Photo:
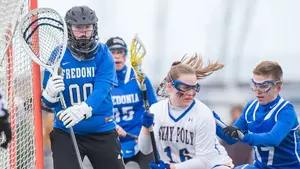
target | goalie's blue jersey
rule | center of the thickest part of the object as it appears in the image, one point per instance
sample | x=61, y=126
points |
x=272, y=131
x=129, y=107
x=89, y=81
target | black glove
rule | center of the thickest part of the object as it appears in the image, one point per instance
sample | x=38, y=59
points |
x=233, y=132
x=5, y=127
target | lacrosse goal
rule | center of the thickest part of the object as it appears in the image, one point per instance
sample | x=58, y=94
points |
x=20, y=84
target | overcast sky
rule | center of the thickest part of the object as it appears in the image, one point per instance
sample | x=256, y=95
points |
x=170, y=28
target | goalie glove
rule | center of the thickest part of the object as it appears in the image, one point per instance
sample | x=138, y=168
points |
x=74, y=114
x=55, y=85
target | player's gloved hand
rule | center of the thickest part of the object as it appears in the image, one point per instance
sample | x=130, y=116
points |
x=5, y=128
x=55, y=85
x=74, y=114
x=147, y=119
x=233, y=132
x=161, y=165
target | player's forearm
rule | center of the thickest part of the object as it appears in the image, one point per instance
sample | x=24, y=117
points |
x=262, y=139
x=100, y=92
x=195, y=163
x=286, y=121
x=144, y=141
x=272, y=138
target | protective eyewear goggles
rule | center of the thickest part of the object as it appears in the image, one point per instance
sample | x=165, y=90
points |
x=183, y=87
x=264, y=86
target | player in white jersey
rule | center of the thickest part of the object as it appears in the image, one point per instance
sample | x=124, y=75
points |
x=184, y=127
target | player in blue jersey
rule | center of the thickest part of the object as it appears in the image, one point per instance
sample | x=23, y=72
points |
x=128, y=104
x=89, y=75
x=269, y=122
x=4, y=124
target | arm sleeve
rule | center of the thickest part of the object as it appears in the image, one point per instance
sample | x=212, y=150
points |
x=204, y=146
x=144, y=143
x=105, y=79
x=150, y=92
x=286, y=121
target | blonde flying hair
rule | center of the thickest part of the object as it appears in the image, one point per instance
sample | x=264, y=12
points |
x=192, y=65
x=187, y=65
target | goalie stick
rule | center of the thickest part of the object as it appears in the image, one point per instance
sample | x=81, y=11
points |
x=44, y=36
x=137, y=53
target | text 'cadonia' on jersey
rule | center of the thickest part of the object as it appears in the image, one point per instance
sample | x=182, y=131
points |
x=180, y=134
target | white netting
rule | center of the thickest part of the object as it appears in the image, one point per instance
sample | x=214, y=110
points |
x=49, y=26
x=16, y=83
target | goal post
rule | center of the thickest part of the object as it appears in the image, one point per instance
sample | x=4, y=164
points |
x=20, y=82
x=37, y=107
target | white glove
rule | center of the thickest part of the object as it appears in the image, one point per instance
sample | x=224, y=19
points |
x=55, y=85
x=75, y=114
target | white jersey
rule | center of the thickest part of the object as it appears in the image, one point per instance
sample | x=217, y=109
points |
x=183, y=134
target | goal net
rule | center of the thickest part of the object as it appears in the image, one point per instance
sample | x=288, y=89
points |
x=16, y=82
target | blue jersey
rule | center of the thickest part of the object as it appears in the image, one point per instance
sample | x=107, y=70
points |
x=272, y=130
x=89, y=81
x=129, y=107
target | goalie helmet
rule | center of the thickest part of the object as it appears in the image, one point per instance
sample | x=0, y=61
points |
x=82, y=48
x=116, y=43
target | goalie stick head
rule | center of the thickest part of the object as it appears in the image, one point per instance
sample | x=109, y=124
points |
x=44, y=37
x=83, y=48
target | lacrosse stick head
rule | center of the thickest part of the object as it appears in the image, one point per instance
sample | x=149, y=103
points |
x=137, y=53
x=43, y=35
x=162, y=89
